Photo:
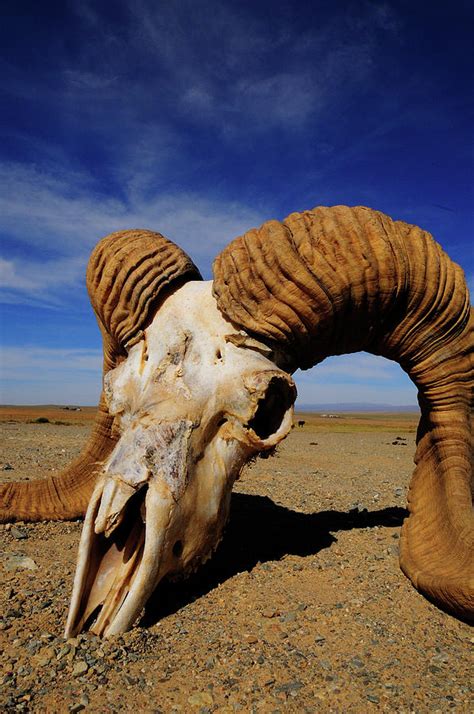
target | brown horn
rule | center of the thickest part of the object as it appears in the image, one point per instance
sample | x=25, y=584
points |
x=129, y=274
x=338, y=280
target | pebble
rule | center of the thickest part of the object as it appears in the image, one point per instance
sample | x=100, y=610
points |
x=14, y=562
x=222, y=647
x=372, y=698
x=290, y=687
x=289, y=617
x=18, y=533
x=201, y=699
x=80, y=705
x=80, y=667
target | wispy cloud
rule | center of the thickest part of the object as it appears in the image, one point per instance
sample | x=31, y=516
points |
x=358, y=366
x=221, y=65
x=36, y=374
x=64, y=216
x=38, y=279
x=15, y=360
x=359, y=377
x=202, y=119
x=239, y=70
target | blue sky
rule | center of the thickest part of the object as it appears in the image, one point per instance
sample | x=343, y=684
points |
x=202, y=119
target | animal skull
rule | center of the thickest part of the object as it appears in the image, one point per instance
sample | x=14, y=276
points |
x=193, y=401
x=197, y=396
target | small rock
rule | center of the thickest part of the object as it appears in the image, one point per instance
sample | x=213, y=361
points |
x=7, y=467
x=44, y=658
x=290, y=687
x=63, y=651
x=79, y=668
x=201, y=699
x=18, y=533
x=251, y=639
x=319, y=639
x=372, y=698
x=47, y=635
x=15, y=562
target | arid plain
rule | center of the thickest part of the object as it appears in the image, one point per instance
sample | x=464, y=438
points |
x=302, y=609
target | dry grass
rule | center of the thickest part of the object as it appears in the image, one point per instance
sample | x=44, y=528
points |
x=358, y=422
x=343, y=423
x=54, y=414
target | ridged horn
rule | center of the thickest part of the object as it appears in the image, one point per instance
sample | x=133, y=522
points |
x=128, y=275
x=337, y=280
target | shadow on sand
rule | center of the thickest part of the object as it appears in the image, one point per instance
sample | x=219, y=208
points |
x=259, y=530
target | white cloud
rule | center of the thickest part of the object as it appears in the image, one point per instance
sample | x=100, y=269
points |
x=359, y=377
x=39, y=375
x=328, y=393
x=63, y=216
x=226, y=66
x=53, y=210
x=47, y=361
x=355, y=367
x=40, y=278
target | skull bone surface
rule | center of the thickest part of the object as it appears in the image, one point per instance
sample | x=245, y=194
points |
x=194, y=401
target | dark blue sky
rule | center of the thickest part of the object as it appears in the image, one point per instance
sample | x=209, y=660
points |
x=201, y=120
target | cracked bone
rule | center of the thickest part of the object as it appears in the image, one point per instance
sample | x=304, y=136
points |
x=194, y=400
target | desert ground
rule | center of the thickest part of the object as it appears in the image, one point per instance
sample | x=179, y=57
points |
x=303, y=608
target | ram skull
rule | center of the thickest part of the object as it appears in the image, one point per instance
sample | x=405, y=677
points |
x=193, y=387
x=193, y=401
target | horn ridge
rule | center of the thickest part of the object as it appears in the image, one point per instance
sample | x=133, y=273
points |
x=388, y=288
x=128, y=274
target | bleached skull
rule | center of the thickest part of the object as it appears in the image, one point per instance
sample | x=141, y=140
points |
x=193, y=401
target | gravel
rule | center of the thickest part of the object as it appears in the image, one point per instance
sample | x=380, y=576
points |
x=302, y=609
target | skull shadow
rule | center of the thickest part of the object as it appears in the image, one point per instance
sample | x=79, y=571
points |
x=258, y=531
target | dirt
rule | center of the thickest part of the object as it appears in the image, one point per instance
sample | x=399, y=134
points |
x=302, y=609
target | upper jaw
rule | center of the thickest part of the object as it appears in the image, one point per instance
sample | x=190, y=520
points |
x=117, y=572
x=157, y=490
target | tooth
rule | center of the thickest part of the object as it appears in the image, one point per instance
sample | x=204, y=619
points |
x=112, y=506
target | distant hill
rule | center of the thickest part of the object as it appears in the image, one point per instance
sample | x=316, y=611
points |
x=356, y=407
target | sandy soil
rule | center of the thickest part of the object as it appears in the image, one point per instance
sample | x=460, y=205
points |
x=302, y=609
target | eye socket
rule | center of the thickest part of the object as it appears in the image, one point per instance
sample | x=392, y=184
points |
x=271, y=408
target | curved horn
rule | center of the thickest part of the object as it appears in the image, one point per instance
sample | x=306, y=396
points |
x=338, y=280
x=129, y=273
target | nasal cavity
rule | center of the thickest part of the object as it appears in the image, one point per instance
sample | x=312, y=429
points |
x=178, y=548
x=272, y=407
